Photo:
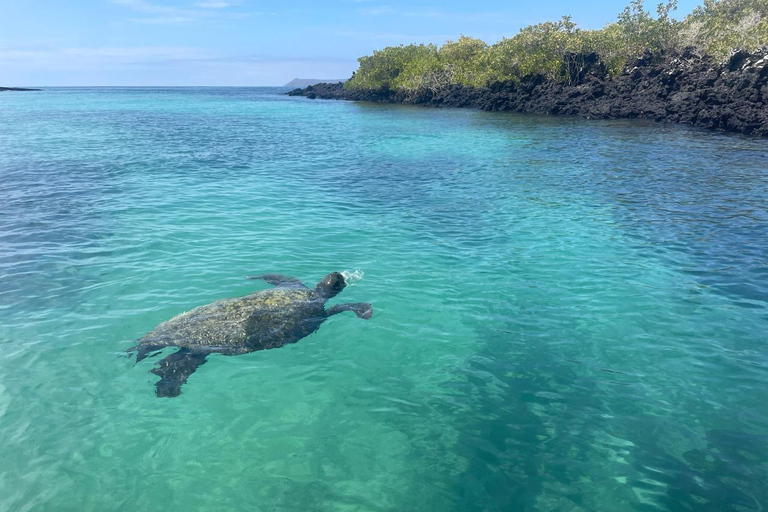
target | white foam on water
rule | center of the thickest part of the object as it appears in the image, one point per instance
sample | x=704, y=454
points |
x=352, y=276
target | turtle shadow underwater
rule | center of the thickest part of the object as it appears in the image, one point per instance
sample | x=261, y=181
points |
x=259, y=321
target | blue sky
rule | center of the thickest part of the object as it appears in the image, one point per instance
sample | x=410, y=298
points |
x=244, y=42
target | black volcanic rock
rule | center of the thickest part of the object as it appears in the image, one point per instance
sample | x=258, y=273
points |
x=680, y=88
x=7, y=89
x=304, y=82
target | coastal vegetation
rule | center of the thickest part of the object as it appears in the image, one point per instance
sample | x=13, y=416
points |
x=559, y=50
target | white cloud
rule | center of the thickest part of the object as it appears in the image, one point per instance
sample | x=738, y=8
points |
x=213, y=5
x=395, y=37
x=156, y=65
x=164, y=20
x=447, y=15
x=100, y=56
x=143, y=6
x=377, y=11
x=206, y=10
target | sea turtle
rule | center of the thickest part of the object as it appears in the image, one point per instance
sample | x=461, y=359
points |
x=259, y=321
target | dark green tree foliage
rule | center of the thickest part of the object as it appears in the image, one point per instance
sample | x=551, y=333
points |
x=535, y=49
x=555, y=49
x=384, y=67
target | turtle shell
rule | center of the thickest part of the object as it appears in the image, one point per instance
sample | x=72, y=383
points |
x=261, y=320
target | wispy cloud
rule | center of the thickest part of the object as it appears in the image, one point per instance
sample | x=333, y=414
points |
x=377, y=11
x=214, y=5
x=449, y=15
x=143, y=6
x=157, y=65
x=164, y=20
x=163, y=14
x=106, y=54
x=397, y=37
x=141, y=55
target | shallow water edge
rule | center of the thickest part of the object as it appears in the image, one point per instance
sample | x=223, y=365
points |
x=687, y=89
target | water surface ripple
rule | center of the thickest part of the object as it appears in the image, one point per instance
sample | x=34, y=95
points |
x=569, y=315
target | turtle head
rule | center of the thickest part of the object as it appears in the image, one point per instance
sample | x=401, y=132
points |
x=331, y=285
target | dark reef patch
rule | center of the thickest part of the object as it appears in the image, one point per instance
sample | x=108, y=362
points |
x=681, y=88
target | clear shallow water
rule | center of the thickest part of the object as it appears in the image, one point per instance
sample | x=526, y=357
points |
x=569, y=315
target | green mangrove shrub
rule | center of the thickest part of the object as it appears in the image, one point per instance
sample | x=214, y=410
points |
x=559, y=49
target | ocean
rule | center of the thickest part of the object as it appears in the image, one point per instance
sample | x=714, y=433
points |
x=569, y=315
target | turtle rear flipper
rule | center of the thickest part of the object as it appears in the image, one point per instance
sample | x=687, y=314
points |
x=144, y=351
x=175, y=369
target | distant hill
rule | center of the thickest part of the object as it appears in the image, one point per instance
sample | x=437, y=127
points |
x=303, y=82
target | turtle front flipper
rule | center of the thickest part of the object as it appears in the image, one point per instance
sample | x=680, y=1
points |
x=175, y=369
x=361, y=309
x=279, y=280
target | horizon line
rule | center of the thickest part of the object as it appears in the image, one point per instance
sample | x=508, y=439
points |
x=130, y=86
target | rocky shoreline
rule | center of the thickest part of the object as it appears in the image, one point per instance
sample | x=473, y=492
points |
x=7, y=89
x=683, y=88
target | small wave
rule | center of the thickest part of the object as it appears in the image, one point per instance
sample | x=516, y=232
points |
x=352, y=276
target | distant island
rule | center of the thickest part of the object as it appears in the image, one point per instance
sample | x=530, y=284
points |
x=709, y=69
x=4, y=89
x=305, y=82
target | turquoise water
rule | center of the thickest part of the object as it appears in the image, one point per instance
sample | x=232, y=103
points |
x=568, y=314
